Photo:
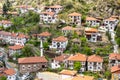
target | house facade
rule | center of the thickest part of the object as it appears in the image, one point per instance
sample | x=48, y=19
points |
x=77, y=58
x=59, y=43
x=67, y=30
x=110, y=24
x=56, y=62
x=14, y=38
x=92, y=35
x=75, y=18
x=115, y=70
x=48, y=17
x=15, y=49
x=114, y=59
x=95, y=63
x=92, y=21
x=5, y=23
x=32, y=64
x=54, y=8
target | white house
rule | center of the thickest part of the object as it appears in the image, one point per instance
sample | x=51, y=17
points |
x=67, y=74
x=15, y=49
x=92, y=35
x=67, y=30
x=110, y=24
x=114, y=59
x=48, y=17
x=54, y=8
x=59, y=43
x=5, y=23
x=10, y=73
x=77, y=58
x=14, y=38
x=75, y=18
x=24, y=8
x=56, y=62
x=95, y=63
x=91, y=21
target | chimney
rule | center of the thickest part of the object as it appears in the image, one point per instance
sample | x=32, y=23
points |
x=41, y=48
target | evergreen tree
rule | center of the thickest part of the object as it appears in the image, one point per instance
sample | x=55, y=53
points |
x=5, y=9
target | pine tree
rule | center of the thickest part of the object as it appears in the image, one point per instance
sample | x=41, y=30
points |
x=5, y=9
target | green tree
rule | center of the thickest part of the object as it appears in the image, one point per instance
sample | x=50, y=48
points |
x=3, y=78
x=83, y=41
x=77, y=65
x=107, y=74
x=5, y=9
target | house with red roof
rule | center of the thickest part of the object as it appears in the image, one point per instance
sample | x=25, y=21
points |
x=115, y=70
x=14, y=38
x=58, y=60
x=77, y=58
x=110, y=24
x=114, y=59
x=48, y=17
x=44, y=36
x=91, y=21
x=32, y=64
x=9, y=73
x=15, y=49
x=92, y=35
x=75, y=18
x=5, y=23
x=95, y=63
x=67, y=30
x=59, y=43
x=54, y=8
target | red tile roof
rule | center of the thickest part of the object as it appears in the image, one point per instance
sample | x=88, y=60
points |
x=115, y=69
x=74, y=14
x=110, y=19
x=68, y=72
x=48, y=13
x=44, y=34
x=61, y=57
x=83, y=77
x=9, y=72
x=114, y=56
x=95, y=58
x=60, y=39
x=91, y=30
x=28, y=60
x=78, y=57
x=16, y=47
x=91, y=19
x=67, y=28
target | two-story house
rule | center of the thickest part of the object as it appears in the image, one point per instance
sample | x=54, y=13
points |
x=110, y=24
x=114, y=59
x=59, y=43
x=5, y=23
x=115, y=70
x=14, y=38
x=95, y=63
x=54, y=8
x=57, y=61
x=77, y=58
x=32, y=64
x=15, y=49
x=91, y=21
x=75, y=18
x=48, y=17
x=92, y=35
x=67, y=30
